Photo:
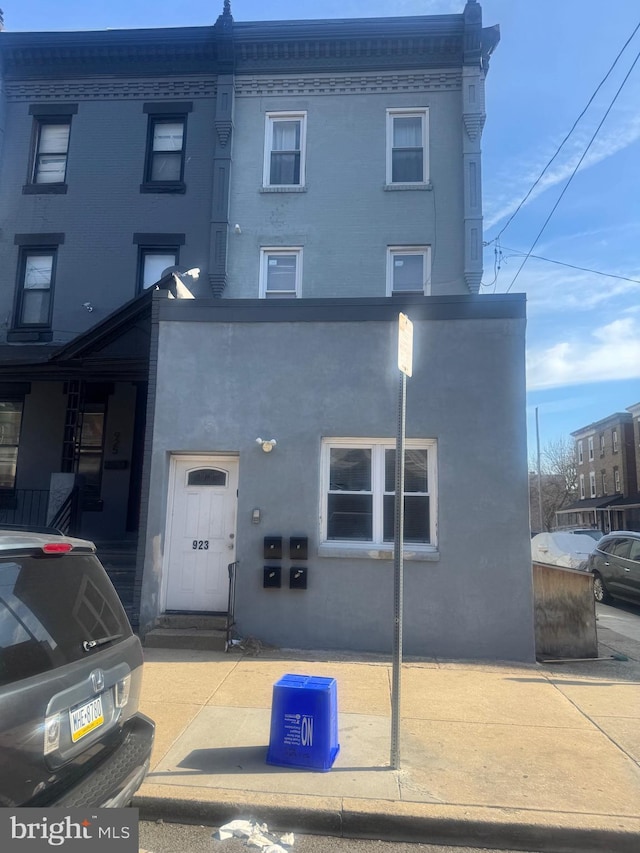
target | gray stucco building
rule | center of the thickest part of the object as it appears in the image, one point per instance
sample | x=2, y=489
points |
x=323, y=176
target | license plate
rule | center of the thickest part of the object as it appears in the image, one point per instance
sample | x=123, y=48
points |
x=85, y=718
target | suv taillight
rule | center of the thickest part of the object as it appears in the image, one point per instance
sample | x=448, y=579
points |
x=122, y=691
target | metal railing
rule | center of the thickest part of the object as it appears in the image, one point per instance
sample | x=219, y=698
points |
x=24, y=507
x=231, y=604
x=67, y=518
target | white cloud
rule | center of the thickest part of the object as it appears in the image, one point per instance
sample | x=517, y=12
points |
x=612, y=353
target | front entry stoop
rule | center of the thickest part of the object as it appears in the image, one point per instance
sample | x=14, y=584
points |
x=188, y=631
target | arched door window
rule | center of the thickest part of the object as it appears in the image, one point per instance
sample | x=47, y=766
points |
x=207, y=477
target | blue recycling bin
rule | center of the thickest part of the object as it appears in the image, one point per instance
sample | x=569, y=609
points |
x=304, y=722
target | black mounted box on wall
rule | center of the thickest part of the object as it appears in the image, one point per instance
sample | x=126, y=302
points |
x=298, y=547
x=298, y=577
x=272, y=577
x=273, y=547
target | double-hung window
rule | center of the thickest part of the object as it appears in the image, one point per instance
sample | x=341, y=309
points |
x=166, y=145
x=280, y=273
x=50, y=147
x=284, y=150
x=153, y=262
x=358, y=492
x=36, y=277
x=407, y=146
x=614, y=440
x=592, y=483
x=580, y=453
x=590, y=446
x=582, y=493
x=616, y=480
x=156, y=252
x=408, y=270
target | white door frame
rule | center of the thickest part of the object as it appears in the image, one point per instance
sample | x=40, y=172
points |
x=199, y=459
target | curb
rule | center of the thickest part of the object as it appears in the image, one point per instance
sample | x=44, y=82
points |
x=546, y=832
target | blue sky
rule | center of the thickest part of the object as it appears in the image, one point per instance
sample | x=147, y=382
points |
x=583, y=333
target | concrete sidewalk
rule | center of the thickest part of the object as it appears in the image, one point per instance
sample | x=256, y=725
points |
x=541, y=757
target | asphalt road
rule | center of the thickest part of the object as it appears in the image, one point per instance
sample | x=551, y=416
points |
x=158, y=837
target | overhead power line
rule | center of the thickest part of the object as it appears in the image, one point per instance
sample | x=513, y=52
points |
x=573, y=266
x=562, y=144
x=573, y=173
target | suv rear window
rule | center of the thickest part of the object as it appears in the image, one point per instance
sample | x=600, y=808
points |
x=50, y=608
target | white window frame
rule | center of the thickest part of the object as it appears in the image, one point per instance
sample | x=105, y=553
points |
x=272, y=118
x=394, y=252
x=582, y=492
x=408, y=112
x=604, y=482
x=616, y=480
x=270, y=251
x=378, y=447
x=580, y=453
x=614, y=440
x=590, y=445
x=592, y=483
x=602, y=444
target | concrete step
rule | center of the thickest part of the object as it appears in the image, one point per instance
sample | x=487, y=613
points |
x=186, y=638
x=201, y=621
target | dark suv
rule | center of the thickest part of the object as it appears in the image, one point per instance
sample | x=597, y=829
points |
x=615, y=565
x=70, y=677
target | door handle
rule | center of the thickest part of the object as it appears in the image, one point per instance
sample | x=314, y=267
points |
x=627, y=570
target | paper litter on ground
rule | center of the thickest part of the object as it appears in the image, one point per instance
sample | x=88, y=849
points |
x=255, y=835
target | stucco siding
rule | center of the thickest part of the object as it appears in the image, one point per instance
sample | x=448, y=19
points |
x=221, y=385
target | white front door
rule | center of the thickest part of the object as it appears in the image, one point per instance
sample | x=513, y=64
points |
x=201, y=530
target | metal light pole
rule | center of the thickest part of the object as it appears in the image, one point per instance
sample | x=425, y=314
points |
x=539, y=474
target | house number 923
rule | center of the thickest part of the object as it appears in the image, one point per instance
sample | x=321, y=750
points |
x=200, y=545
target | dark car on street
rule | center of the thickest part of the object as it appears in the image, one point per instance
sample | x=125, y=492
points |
x=71, y=734
x=615, y=565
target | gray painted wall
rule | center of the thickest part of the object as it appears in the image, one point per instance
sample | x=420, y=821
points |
x=345, y=220
x=42, y=432
x=103, y=206
x=220, y=385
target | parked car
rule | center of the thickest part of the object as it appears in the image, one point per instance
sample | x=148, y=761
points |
x=584, y=531
x=615, y=565
x=71, y=734
x=560, y=548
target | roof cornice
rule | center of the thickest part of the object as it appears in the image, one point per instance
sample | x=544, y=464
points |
x=254, y=47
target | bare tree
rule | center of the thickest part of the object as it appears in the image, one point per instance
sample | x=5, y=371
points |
x=558, y=482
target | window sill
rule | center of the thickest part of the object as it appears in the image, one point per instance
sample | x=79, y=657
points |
x=389, y=188
x=44, y=189
x=361, y=551
x=29, y=335
x=160, y=187
x=287, y=189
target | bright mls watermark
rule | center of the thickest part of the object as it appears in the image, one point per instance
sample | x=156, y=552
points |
x=35, y=830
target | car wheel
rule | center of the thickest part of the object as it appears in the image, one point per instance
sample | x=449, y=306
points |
x=599, y=589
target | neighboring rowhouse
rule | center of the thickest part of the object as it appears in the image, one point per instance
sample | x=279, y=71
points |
x=608, y=471
x=324, y=176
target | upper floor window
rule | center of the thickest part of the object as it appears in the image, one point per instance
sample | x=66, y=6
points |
x=580, y=453
x=156, y=252
x=284, y=150
x=614, y=439
x=582, y=493
x=601, y=444
x=604, y=482
x=616, y=480
x=280, y=273
x=36, y=277
x=590, y=444
x=166, y=144
x=408, y=270
x=153, y=262
x=592, y=483
x=50, y=148
x=407, y=146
